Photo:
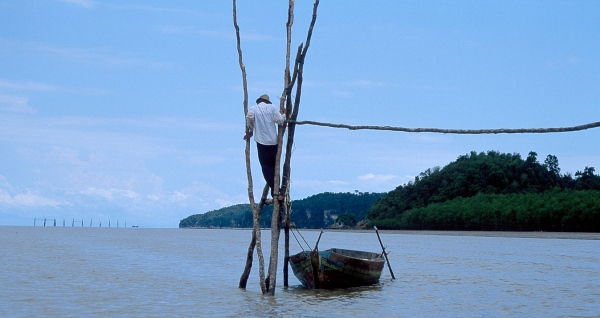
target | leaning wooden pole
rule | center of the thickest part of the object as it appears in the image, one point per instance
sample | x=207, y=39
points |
x=458, y=131
x=276, y=221
x=384, y=253
x=250, y=255
x=284, y=98
x=277, y=209
x=295, y=106
x=255, y=212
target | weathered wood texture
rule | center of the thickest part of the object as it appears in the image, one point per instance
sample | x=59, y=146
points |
x=269, y=286
x=255, y=234
x=256, y=239
x=337, y=268
x=297, y=79
x=456, y=131
x=282, y=103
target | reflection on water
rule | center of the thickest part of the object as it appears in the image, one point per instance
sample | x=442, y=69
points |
x=321, y=294
x=62, y=272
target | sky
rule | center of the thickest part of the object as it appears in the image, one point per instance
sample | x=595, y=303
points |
x=132, y=111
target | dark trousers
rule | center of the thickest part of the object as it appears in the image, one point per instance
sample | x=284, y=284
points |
x=266, y=156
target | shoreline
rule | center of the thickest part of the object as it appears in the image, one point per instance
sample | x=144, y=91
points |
x=507, y=234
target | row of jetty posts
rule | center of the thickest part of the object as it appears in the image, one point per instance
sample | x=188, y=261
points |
x=73, y=223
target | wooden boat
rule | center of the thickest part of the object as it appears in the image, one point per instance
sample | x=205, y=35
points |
x=337, y=268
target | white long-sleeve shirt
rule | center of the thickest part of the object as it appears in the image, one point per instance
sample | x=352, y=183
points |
x=263, y=119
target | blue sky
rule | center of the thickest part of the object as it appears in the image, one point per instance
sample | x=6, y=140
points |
x=131, y=111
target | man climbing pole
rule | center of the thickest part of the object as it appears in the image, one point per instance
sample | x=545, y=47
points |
x=261, y=121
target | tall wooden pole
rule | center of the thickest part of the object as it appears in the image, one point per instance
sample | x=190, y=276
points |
x=284, y=98
x=255, y=212
x=298, y=70
x=269, y=287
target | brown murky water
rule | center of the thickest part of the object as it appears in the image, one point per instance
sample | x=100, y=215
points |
x=118, y=272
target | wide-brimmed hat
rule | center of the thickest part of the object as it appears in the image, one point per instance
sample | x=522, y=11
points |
x=263, y=97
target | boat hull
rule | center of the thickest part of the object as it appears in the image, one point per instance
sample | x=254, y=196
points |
x=337, y=268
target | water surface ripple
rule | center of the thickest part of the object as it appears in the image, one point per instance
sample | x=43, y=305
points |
x=135, y=272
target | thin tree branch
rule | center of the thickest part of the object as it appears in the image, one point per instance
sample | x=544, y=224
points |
x=454, y=131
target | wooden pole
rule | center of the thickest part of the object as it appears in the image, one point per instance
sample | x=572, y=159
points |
x=277, y=217
x=457, y=131
x=256, y=234
x=250, y=254
x=275, y=228
x=284, y=100
x=318, y=240
x=278, y=207
x=384, y=253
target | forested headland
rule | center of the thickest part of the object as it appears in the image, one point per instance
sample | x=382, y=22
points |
x=488, y=191
x=494, y=192
x=314, y=212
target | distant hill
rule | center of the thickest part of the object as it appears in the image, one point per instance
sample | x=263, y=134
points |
x=317, y=211
x=479, y=191
x=494, y=191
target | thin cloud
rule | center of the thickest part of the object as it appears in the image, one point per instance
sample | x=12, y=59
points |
x=374, y=177
x=110, y=194
x=152, y=123
x=193, y=31
x=27, y=86
x=256, y=37
x=177, y=196
x=350, y=84
x=15, y=104
x=23, y=198
x=44, y=87
x=104, y=57
x=91, y=4
x=349, y=88
x=338, y=182
x=27, y=199
x=430, y=138
x=566, y=61
x=573, y=60
x=81, y=3
x=204, y=160
x=366, y=83
x=156, y=9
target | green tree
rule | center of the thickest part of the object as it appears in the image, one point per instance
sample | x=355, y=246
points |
x=551, y=164
x=347, y=219
x=459, y=187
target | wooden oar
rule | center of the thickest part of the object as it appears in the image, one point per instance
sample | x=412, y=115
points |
x=384, y=253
